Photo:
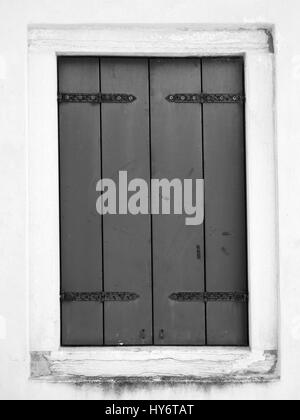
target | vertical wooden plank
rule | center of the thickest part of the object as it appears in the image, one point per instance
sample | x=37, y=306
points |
x=127, y=238
x=225, y=202
x=176, y=153
x=81, y=267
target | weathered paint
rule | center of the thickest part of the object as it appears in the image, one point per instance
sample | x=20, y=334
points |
x=237, y=370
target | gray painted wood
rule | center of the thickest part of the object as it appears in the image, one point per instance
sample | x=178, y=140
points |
x=81, y=267
x=225, y=202
x=127, y=238
x=175, y=147
x=176, y=138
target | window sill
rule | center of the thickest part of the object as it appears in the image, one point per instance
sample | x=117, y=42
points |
x=138, y=366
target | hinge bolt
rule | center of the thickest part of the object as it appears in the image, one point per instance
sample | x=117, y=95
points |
x=162, y=334
x=198, y=252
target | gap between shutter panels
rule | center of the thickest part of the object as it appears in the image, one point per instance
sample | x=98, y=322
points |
x=150, y=203
x=102, y=224
x=204, y=223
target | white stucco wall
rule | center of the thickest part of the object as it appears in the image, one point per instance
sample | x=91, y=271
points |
x=15, y=16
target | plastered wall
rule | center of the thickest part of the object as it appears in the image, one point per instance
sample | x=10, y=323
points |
x=15, y=16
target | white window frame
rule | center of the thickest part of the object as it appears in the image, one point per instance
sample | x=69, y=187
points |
x=49, y=361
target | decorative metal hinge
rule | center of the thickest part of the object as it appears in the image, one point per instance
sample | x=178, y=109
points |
x=96, y=98
x=98, y=297
x=205, y=98
x=209, y=297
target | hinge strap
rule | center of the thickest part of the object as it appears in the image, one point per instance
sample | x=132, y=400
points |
x=205, y=98
x=98, y=297
x=209, y=297
x=96, y=98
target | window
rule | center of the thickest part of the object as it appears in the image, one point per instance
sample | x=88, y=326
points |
x=151, y=364
x=150, y=279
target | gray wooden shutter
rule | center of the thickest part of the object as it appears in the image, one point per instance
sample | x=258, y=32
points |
x=206, y=266
x=153, y=257
x=225, y=202
x=127, y=238
x=80, y=169
x=176, y=138
x=110, y=254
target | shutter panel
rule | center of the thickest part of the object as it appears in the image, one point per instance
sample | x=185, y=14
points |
x=225, y=202
x=80, y=168
x=176, y=138
x=127, y=238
